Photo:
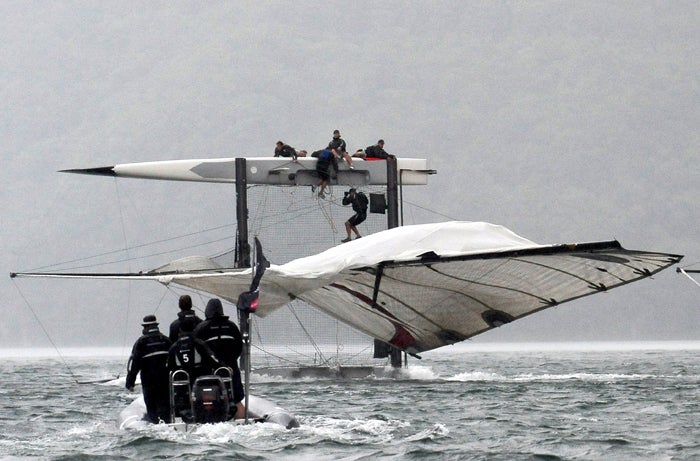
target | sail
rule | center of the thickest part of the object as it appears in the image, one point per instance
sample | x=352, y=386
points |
x=425, y=286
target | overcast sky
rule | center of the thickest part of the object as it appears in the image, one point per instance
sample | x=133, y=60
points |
x=563, y=121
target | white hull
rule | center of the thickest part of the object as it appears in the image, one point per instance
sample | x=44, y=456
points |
x=266, y=170
x=259, y=409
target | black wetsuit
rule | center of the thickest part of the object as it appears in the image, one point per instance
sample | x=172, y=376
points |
x=337, y=144
x=323, y=164
x=359, y=206
x=150, y=357
x=376, y=152
x=286, y=151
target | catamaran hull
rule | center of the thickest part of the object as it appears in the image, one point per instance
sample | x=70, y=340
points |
x=259, y=409
x=265, y=170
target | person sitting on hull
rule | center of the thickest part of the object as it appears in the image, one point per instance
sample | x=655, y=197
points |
x=339, y=148
x=224, y=338
x=185, y=304
x=149, y=356
x=359, y=203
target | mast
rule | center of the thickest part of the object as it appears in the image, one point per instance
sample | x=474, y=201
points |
x=242, y=245
x=392, y=196
x=243, y=260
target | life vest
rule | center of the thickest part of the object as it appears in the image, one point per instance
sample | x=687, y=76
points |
x=187, y=356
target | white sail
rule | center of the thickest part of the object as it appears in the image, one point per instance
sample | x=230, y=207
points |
x=425, y=286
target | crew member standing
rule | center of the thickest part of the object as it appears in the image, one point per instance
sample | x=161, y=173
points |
x=150, y=357
x=186, y=311
x=224, y=338
x=190, y=354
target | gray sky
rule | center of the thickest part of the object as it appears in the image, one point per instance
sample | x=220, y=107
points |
x=564, y=121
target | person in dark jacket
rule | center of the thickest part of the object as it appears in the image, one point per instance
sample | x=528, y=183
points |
x=224, y=338
x=149, y=356
x=340, y=150
x=185, y=304
x=285, y=150
x=190, y=354
x=323, y=169
x=359, y=203
x=377, y=151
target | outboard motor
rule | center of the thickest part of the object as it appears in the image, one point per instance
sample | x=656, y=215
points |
x=210, y=400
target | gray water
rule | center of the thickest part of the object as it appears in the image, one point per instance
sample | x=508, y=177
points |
x=464, y=402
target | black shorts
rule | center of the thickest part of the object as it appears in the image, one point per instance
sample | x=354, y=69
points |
x=357, y=218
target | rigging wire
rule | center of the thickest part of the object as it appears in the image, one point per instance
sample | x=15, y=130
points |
x=147, y=244
x=306, y=332
x=126, y=249
x=688, y=275
x=160, y=253
x=41, y=325
x=431, y=211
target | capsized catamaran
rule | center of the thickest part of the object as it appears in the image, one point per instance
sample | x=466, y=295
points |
x=416, y=287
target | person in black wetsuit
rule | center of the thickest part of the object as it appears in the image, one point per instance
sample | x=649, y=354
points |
x=285, y=150
x=359, y=203
x=340, y=150
x=329, y=157
x=377, y=151
x=224, y=338
x=149, y=356
x=185, y=303
x=323, y=169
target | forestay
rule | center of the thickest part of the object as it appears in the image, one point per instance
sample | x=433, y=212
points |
x=425, y=286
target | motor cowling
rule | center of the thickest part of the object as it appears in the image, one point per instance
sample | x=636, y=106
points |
x=210, y=400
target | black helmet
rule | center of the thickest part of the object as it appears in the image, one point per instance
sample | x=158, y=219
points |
x=149, y=320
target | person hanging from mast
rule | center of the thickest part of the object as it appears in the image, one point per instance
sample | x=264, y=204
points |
x=359, y=203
